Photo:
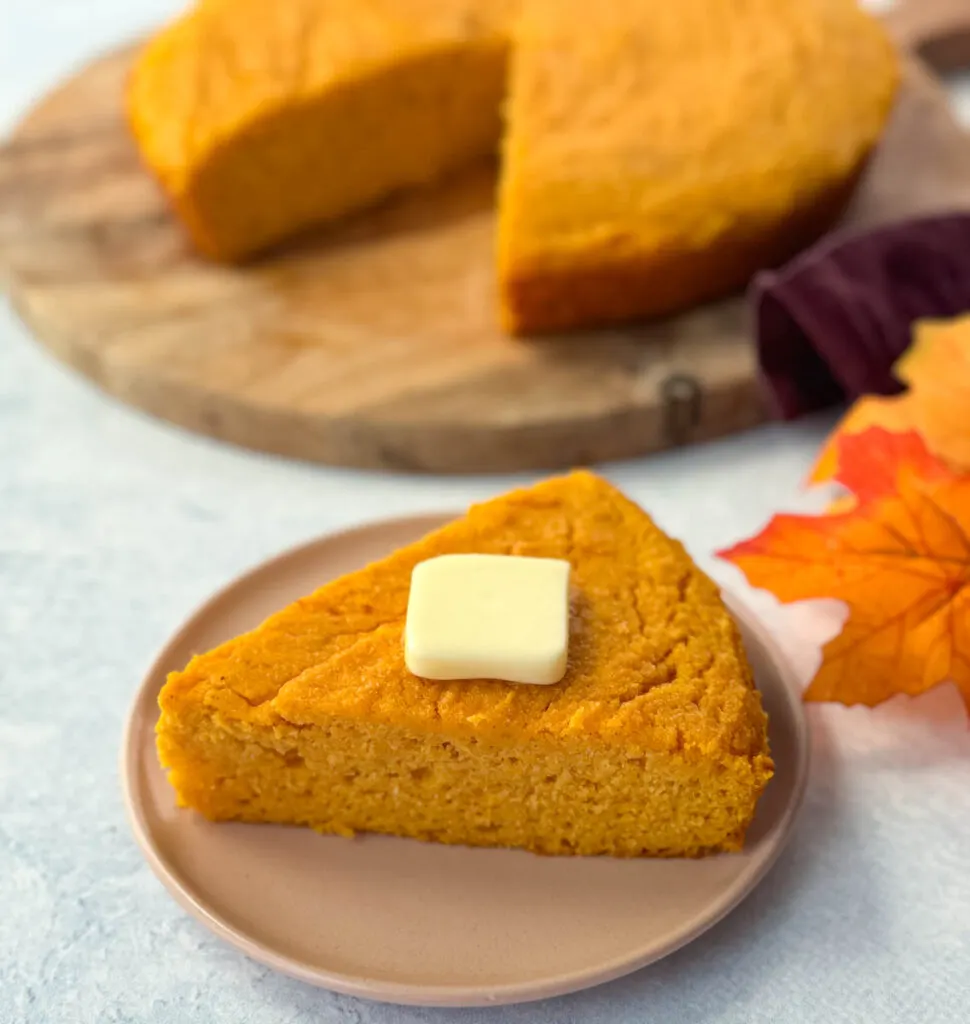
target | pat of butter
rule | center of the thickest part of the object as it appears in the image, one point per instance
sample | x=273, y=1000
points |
x=488, y=617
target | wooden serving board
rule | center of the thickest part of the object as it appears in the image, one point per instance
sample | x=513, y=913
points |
x=374, y=344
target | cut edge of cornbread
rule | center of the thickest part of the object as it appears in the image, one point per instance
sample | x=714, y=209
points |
x=655, y=742
x=347, y=777
x=300, y=154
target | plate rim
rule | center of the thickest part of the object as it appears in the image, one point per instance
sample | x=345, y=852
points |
x=425, y=995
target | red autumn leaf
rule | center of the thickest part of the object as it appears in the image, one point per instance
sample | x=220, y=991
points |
x=895, y=413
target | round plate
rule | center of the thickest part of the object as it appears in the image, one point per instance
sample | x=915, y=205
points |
x=409, y=922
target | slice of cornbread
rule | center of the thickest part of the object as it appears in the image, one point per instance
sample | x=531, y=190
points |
x=653, y=743
x=658, y=154
x=263, y=117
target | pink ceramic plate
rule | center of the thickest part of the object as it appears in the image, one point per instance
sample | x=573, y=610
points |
x=409, y=922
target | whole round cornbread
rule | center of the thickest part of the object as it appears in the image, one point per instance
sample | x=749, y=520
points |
x=654, y=155
x=653, y=743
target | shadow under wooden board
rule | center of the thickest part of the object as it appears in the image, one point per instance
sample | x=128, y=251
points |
x=374, y=344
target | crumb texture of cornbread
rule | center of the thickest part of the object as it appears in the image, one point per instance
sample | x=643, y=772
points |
x=262, y=118
x=654, y=743
x=658, y=154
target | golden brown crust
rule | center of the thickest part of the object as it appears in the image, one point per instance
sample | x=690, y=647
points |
x=643, y=286
x=650, y=635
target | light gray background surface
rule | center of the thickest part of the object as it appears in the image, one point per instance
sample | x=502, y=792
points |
x=113, y=527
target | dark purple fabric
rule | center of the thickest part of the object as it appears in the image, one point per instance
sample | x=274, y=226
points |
x=831, y=323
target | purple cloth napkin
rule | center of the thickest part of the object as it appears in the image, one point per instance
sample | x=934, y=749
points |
x=831, y=323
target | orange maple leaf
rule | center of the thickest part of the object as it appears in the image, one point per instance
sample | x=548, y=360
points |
x=937, y=370
x=900, y=559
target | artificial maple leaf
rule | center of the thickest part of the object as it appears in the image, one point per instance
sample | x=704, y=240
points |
x=895, y=413
x=937, y=369
x=900, y=559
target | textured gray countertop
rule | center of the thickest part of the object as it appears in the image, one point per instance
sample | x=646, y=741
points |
x=113, y=527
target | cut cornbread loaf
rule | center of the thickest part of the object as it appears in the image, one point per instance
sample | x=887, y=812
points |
x=656, y=155
x=654, y=742
x=263, y=117
x=659, y=154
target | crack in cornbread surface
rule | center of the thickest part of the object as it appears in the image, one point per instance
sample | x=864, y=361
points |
x=654, y=741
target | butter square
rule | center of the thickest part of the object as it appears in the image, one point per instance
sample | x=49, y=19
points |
x=488, y=617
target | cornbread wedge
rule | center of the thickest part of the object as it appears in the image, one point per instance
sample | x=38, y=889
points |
x=654, y=743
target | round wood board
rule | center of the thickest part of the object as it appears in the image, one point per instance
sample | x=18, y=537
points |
x=375, y=343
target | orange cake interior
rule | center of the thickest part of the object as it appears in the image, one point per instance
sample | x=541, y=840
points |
x=263, y=117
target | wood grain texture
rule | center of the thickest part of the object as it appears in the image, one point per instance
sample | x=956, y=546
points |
x=375, y=344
